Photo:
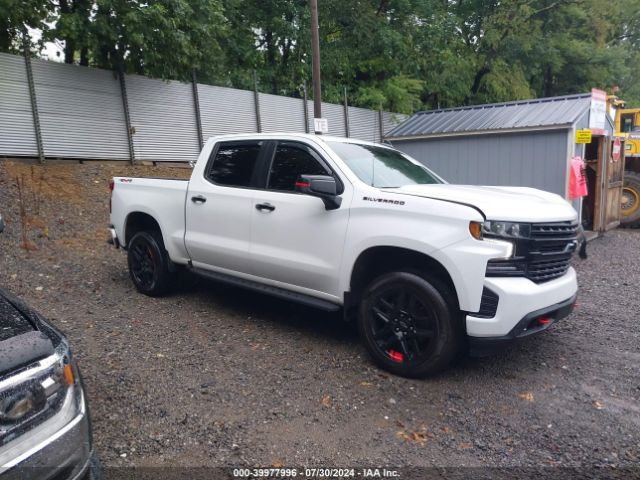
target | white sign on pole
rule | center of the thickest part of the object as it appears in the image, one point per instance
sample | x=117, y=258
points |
x=598, y=110
x=320, y=125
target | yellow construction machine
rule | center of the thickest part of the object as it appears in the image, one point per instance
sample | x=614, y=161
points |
x=627, y=121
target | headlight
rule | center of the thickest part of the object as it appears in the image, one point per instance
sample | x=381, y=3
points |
x=506, y=229
x=477, y=231
x=33, y=396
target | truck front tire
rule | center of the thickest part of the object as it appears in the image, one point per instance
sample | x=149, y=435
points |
x=148, y=264
x=630, y=201
x=410, y=324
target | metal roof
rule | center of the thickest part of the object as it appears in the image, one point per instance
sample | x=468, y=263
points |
x=541, y=113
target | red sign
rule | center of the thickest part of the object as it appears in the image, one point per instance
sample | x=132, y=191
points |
x=617, y=146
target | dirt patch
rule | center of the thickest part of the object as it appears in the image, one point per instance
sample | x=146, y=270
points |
x=47, y=181
x=61, y=201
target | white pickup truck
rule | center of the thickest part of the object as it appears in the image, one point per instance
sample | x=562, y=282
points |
x=423, y=266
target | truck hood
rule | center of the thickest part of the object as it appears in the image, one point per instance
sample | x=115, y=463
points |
x=521, y=204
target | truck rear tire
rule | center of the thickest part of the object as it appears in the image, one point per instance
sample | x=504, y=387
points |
x=148, y=264
x=630, y=201
x=410, y=325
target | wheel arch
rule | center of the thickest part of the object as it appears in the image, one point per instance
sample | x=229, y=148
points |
x=139, y=221
x=375, y=261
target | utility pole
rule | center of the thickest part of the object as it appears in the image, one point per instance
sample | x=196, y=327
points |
x=315, y=58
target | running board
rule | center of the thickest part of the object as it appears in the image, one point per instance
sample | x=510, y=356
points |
x=302, y=298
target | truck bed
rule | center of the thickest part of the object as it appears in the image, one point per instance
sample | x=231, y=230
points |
x=161, y=198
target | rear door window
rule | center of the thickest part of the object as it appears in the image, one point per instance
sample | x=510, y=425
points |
x=234, y=164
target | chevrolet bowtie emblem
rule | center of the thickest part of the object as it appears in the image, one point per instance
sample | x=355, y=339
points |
x=570, y=247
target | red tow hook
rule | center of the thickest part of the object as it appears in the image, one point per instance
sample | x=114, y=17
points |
x=542, y=321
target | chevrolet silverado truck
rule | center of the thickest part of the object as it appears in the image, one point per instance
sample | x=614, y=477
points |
x=424, y=267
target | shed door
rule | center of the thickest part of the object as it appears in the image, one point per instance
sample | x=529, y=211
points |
x=593, y=204
x=613, y=188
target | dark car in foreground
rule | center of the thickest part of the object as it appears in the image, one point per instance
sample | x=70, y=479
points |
x=45, y=431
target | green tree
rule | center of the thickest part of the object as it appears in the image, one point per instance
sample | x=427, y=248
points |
x=626, y=38
x=268, y=38
x=571, y=53
x=18, y=15
x=73, y=27
x=400, y=55
x=164, y=38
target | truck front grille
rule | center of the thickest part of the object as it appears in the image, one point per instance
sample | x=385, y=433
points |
x=544, y=270
x=544, y=256
x=554, y=230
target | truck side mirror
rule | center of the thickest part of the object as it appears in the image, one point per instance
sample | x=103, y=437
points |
x=321, y=186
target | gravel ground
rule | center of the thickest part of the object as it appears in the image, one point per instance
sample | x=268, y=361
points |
x=213, y=375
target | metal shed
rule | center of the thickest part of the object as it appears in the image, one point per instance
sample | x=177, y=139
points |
x=526, y=143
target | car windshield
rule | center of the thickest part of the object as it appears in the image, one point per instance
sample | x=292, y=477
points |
x=383, y=167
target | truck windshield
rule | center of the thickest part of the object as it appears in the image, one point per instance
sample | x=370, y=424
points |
x=383, y=167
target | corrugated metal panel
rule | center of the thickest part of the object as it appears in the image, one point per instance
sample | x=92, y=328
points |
x=164, y=118
x=281, y=114
x=80, y=109
x=310, y=115
x=334, y=114
x=17, y=134
x=226, y=110
x=583, y=122
x=544, y=112
x=391, y=121
x=81, y=114
x=363, y=124
x=528, y=159
x=335, y=118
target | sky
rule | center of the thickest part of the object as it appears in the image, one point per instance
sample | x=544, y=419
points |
x=52, y=50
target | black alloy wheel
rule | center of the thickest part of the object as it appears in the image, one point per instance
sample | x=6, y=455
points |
x=410, y=325
x=143, y=266
x=402, y=326
x=148, y=264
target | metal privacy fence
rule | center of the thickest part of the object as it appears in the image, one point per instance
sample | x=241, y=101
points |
x=54, y=110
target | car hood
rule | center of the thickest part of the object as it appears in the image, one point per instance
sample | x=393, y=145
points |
x=24, y=336
x=520, y=204
x=13, y=322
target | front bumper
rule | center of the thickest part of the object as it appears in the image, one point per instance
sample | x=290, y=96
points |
x=58, y=449
x=529, y=325
x=518, y=299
